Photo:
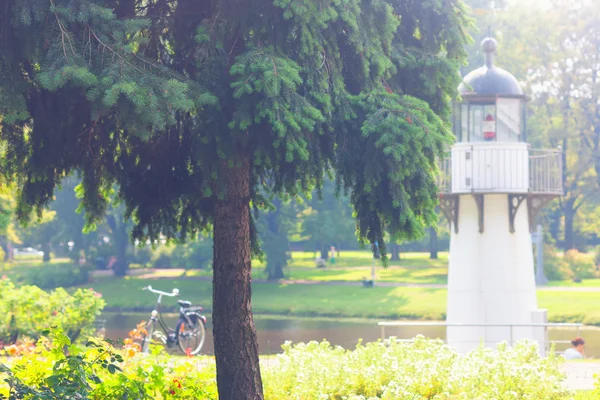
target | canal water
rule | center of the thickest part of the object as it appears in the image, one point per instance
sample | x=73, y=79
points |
x=274, y=331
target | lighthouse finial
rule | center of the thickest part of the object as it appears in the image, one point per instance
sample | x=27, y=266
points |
x=489, y=45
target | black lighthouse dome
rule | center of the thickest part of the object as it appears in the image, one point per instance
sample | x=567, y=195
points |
x=489, y=79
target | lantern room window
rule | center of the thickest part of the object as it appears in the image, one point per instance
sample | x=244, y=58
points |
x=482, y=120
x=498, y=120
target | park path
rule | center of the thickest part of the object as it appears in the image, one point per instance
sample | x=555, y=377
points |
x=413, y=285
x=178, y=274
x=580, y=375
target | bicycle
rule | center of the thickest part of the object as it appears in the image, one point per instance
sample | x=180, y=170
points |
x=190, y=325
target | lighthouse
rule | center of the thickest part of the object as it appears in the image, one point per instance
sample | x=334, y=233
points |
x=491, y=189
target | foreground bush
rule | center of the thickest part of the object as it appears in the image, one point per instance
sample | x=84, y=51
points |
x=27, y=311
x=56, y=369
x=425, y=369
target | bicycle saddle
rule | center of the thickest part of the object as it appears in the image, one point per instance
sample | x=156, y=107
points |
x=184, y=303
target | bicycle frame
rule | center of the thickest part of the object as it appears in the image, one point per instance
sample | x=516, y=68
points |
x=160, y=320
x=156, y=315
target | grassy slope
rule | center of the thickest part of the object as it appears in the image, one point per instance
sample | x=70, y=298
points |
x=336, y=300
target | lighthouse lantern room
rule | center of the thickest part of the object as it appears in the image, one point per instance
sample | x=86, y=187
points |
x=492, y=187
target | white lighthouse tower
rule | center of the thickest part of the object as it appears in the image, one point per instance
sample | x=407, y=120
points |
x=491, y=188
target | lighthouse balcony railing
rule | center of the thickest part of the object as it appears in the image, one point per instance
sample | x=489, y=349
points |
x=501, y=169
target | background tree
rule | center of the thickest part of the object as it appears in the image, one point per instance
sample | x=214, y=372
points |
x=70, y=219
x=191, y=108
x=119, y=229
x=274, y=228
x=433, y=243
x=327, y=221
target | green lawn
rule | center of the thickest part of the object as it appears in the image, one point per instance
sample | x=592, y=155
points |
x=309, y=300
x=571, y=306
x=336, y=300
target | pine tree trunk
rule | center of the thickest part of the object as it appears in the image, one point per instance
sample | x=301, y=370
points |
x=433, y=244
x=236, y=347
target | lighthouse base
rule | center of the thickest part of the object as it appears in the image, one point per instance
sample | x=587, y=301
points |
x=491, y=283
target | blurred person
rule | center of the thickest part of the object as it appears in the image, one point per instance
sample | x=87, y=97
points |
x=577, y=351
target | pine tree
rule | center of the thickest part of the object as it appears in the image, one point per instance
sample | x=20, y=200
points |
x=194, y=108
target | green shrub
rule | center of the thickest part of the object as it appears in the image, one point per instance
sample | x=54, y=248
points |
x=50, y=276
x=555, y=268
x=161, y=258
x=424, y=369
x=27, y=311
x=596, y=391
x=581, y=266
x=2, y=256
x=141, y=255
x=192, y=255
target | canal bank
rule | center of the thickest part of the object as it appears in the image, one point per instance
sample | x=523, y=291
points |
x=274, y=331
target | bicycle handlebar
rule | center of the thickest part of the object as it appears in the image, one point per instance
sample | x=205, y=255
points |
x=174, y=293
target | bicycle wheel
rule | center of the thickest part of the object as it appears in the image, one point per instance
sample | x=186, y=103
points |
x=191, y=337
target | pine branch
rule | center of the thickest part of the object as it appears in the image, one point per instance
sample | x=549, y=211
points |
x=119, y=56
x=63, y=33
